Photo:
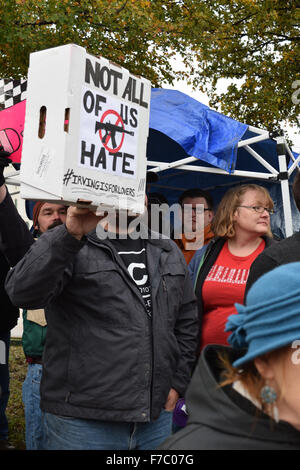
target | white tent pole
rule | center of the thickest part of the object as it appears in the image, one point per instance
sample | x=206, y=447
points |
x=253, y=140
x=293, y=166
x=13, y=178
x=218, y=171
x=12, y=181
x=15, y=173
x=285, y=190
x=175, y=164
x=261, y=160
x=257, y=130
x=289, y=151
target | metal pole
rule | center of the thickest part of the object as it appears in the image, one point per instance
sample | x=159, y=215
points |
x=256, y=130
x=260, y=159
x=205, y=169
x=293, y=166
x=253, y=140
x=285, y=190
x=12, y=181
x=177, y=163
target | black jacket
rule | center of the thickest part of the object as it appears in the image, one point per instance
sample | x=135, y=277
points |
x=15, y=236
x=104, y=358
x=282, y=252
x=15, y=239
x=222, y=419
x=9, y=314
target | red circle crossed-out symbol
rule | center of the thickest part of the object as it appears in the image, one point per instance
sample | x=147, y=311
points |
x=108, y=133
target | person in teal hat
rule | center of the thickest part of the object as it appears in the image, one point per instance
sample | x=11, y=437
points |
x=246, y=396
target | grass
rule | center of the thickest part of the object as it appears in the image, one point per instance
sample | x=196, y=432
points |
x=15, y=409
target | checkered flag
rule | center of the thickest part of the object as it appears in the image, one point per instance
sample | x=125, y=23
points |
x=12, y=92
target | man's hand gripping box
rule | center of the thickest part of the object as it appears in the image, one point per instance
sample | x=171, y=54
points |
x=85, y=133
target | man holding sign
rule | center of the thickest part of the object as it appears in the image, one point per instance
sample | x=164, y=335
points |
x=122, y=329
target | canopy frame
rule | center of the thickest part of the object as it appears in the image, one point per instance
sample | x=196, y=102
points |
x=271, y=173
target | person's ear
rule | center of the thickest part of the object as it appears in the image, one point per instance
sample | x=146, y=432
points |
x=264, y=368
x=234, y=215
x=210, y=216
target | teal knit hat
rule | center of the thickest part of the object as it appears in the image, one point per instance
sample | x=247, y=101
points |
x=271, y=317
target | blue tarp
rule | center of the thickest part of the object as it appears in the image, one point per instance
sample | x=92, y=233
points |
x=180, y=127
x=199, y=130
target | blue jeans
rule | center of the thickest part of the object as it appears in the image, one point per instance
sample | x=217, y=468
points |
x=4, y=383
x=62, y=433
x=31, y=400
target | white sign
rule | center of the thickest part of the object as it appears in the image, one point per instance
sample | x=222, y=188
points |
x=86, y=130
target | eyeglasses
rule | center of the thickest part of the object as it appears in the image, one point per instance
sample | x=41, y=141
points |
x=195, y=209
x=259, y=209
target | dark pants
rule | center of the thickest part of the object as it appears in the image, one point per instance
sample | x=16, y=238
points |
x=4, y=382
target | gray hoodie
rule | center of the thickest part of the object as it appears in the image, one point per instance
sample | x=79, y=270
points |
x=220, y=418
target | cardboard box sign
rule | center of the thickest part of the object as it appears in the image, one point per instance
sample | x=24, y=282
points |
x=86, y=129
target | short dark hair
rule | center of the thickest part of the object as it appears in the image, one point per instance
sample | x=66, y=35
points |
x=157, y=198
x=197, y=192
x=296, y=190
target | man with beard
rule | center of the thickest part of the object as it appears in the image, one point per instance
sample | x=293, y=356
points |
x=122, y=329
x=47, y=215
x=15, y=241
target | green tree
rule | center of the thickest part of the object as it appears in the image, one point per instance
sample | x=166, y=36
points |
x=252, y=43
x=255, y=45
x=138, y=34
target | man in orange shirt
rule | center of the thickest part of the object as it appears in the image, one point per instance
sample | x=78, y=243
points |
x=189, y=200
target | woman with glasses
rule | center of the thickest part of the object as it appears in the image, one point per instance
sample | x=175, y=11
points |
x=220, y=269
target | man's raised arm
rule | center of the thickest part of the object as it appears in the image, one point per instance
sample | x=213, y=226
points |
x=43, y=272
x=15, y=237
